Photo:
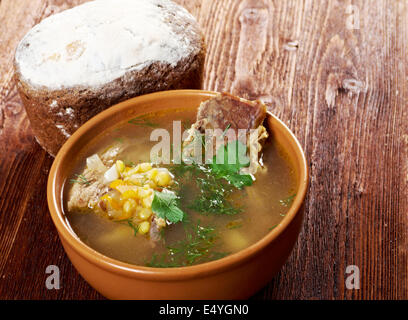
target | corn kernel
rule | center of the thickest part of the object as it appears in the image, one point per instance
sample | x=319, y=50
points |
x=145, y=192
x=163, y=178
x=116, y=205
x=111, y=203
x=128, y=208
x=131, y=171
x=144, y=167
x=147, y=202
x=115, y=183
x=128, y=194
x=145, y=213
x=144, y=227
x=136, y=179
x=151, y=174
x=120, y=166
x=106, y=197
x=151, y=184
x=115, y=214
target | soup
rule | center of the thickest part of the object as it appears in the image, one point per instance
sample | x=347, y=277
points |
x=205, y=215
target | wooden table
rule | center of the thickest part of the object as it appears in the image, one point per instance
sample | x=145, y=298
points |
x=336, y=72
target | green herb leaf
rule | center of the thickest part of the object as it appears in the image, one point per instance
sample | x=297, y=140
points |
x=120, y=140
x=273, y=227
x=130, y=223
x=81, y=179
x=288, y=201
x=213, y=195
x=210, y=179
x=165, y=205
x=143, y=120
x=129, y=163
x=233, y=157
x=235, y=224
x=226, y=130
x=133, y=226
x=212, y=191
x=197, y=247
x=239, y=180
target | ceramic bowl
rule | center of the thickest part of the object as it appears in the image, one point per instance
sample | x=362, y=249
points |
x=236, y=276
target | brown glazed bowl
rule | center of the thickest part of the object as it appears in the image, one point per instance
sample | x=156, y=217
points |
x=237, y=276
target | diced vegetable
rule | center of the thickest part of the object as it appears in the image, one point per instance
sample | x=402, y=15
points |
x=95, y=163
x=235, y=240
x=120, y=166
x=111, y=174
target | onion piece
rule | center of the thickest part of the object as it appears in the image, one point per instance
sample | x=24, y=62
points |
x=111, y=174
x=95, y=163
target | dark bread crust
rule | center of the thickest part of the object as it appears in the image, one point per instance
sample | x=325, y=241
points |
x=85, y=102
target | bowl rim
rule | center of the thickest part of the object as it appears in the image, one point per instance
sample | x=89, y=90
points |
x=159, y=274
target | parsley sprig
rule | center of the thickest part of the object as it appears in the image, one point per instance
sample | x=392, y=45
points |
x=232, y=157
x=215, y=182
x=165, y=205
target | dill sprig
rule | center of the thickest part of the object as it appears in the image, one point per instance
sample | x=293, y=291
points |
x=143, y=120
x=81, y=179
x=129, y=163
x=235, y=224
x=212, y=197
x=288, y=201
x=120, y=140
x=226, y=130
x=273, y=227
x=212, y=192
x=131, y=224
x=195, y=248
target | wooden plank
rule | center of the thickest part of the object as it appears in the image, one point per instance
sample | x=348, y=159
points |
x=342, y=91
x=28, y=241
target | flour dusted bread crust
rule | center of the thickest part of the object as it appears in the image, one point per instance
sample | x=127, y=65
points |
x=81, y=61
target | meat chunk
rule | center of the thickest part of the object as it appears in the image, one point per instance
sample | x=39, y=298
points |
x=110, y=155
x=230, y=118
x=226, y=110
x=157, y=225
x=86, y=190
x=90, y=184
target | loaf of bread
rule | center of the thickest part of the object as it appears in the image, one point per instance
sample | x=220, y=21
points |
x=81, y=61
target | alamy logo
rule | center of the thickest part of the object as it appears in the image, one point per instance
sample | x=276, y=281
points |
x=353, y=19
x=193, y=146
x=353, y=278
x=53, y=280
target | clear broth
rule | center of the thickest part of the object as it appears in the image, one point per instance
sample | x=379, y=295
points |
x=264, y=204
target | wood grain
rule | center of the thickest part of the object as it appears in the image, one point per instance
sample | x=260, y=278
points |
x=342, y=91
